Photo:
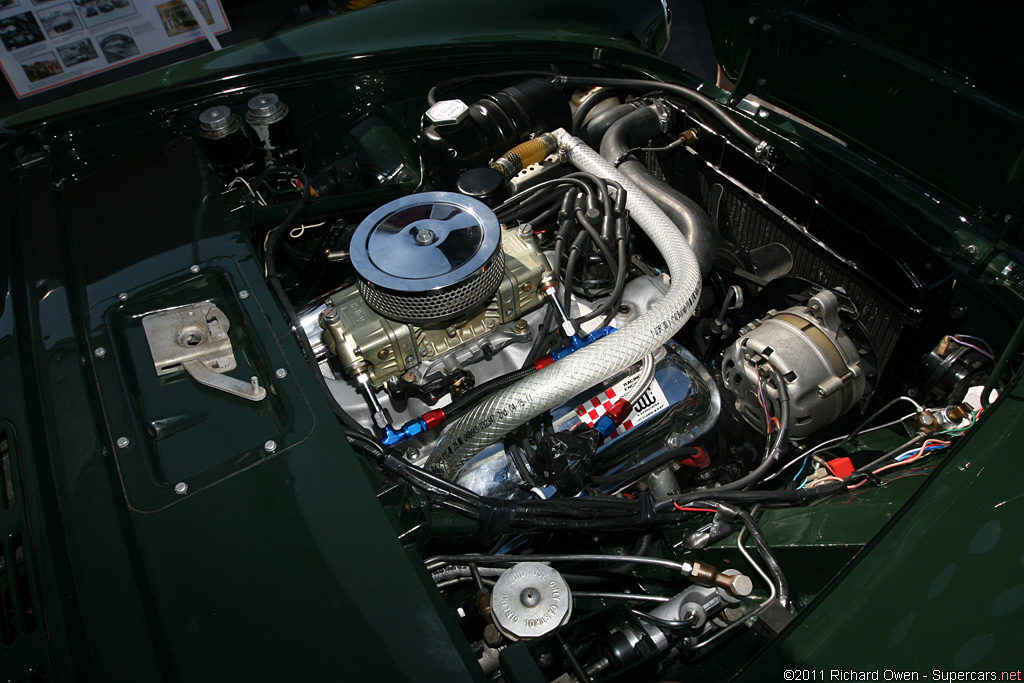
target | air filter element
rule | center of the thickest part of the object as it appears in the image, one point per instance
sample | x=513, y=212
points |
x=428, y=258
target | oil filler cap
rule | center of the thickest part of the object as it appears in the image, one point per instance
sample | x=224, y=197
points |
x=529, y=600
x=428, y=258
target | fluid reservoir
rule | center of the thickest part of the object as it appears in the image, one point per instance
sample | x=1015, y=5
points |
x=227, y=143
x=268, y=116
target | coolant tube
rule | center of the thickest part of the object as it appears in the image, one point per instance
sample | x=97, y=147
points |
x=634, y=130
x=502, y=412
x=522, y=155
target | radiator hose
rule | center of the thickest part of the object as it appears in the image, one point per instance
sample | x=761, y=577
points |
x=634, y=130
x=489, y=421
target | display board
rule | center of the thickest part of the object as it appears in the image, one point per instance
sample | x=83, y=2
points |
x=45, y=43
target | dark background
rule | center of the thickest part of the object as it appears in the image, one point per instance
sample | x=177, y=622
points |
x=690, y=46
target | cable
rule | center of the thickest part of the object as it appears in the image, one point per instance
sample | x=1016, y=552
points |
x=628, y=597
x=441, y=560
x=826, y=445
x=664, y=623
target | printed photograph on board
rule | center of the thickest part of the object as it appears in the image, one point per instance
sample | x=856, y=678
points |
x=60, y=19
x=77, y=52
x=20, y=30
x=177, y=18
x=96, y=12
x=117, y=46
x=41, y=66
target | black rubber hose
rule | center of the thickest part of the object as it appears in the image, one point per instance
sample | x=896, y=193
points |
x=598, y=125
x=588, y=105
x=477, y=394
x=353, y=429
x=633, y=130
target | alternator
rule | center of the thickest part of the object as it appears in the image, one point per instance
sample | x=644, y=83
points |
x=809, y=349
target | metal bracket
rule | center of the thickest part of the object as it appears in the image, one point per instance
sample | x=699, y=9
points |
x=194, y=338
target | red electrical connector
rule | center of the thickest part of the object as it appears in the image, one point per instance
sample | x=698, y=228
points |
x=841, y=467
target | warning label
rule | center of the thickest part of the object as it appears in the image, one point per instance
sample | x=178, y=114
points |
x=650, y=403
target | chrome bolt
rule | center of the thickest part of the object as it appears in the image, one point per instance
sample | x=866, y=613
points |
x=409, y=360
x=181, y=488
x=244, y=294
x=281, y=373
x=270, y=446
x=194, y=269
x=122, y=442
x=122, y=296
x=99, y=352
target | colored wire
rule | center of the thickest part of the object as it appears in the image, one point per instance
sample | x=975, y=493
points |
x=686, y=509
x=827, y=445
x=961, y=342
x=764, y=407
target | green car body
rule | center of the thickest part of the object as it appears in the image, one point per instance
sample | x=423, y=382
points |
x=282, y=558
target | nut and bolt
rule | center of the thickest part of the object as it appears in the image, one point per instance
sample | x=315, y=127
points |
x=409, y=360
x=194, y=269
x=527, y=286
x=280, y=373
x=452, y=332
x=426, y=350
x=181, y=488
x=492, y=636
x=270, y=446
x=122, y=442
x=244, y=294
x=99, y=352
x=526, y=230
x=522, y=326
x=425, y=237
x=330, y=314
x=122, y=296
x=383, y=353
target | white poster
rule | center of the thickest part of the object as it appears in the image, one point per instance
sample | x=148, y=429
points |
x=44, y=43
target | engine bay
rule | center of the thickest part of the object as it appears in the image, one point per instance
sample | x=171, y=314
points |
x=617, y=365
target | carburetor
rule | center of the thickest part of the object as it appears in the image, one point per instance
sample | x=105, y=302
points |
x=436, y=272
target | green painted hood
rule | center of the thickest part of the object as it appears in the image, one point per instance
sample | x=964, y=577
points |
x=921, y=87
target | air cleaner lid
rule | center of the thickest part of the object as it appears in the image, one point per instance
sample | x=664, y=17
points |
x=425, y=242
x=429, y=258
